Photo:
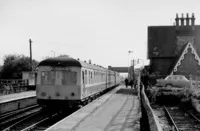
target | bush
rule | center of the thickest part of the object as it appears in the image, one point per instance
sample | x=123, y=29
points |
x=195, y=92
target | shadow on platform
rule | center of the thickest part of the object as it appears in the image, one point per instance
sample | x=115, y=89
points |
x=127, y=91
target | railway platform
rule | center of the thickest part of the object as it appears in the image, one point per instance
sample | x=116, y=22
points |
x=16, y=96
x=118, y=110
x=17, y=101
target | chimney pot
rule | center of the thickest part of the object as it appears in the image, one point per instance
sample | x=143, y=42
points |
x=177, y=20
x=182, y=20
x=193, y=19
x=187, y=20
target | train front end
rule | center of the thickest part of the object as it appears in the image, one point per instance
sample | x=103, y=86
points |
x=58, y=82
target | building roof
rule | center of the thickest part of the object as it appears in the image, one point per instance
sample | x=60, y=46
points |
x=185, y=51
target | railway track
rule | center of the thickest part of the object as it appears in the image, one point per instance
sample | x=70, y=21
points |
x=6, y=116
x=9, y=118
x=34, y=120
x=182, y=119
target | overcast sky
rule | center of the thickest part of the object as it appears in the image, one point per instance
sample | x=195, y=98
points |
x=101, y=30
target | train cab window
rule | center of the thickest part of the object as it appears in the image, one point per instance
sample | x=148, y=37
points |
x=86, y=77
x=48, y=77
x=69, y=78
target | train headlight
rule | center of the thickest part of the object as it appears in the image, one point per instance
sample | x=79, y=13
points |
x=57, y=94
x=72, y=94
x=43, y=94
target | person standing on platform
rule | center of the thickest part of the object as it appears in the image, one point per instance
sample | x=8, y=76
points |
x=131, y=83
x=126, y=82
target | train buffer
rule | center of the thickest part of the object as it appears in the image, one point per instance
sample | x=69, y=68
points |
x=117, y=111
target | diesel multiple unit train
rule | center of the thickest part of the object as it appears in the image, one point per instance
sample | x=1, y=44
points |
x=64, y=81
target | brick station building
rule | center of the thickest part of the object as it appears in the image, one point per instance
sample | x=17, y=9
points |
x=175, y=49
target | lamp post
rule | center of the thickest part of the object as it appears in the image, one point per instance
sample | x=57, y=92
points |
x=129, y=52
x=30, y=42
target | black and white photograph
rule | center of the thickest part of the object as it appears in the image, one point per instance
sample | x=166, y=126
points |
x=99, y=65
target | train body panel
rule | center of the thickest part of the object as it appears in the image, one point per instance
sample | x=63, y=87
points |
x=93, y=80
x=68, y=81
x=91, y=90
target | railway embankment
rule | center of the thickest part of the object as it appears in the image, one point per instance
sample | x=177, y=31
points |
x=149, y=121
x=189, y=96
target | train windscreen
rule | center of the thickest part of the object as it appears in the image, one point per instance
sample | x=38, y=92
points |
x=48, y=78
x=69, y=78
x=59, y=78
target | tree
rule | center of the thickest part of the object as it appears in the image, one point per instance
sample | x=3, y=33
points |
x=14, y=65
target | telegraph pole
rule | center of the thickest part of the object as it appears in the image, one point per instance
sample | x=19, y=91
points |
x=30, y=41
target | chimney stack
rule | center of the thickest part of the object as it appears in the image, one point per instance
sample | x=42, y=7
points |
x=182, y=20
x=177, y=20
x=187, y=20
x=193, y=19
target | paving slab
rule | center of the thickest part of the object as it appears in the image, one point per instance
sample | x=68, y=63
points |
x=16, y=96
x=117, y=112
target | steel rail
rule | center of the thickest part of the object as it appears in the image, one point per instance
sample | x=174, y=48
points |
x=170, y=117
x=10, y=127
x=191, y=114
x=39, y=122
x=20, y=116
x=16, y=112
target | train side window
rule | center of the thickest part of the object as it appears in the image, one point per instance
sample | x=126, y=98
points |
x=91, y=78
x=83, y=77
x=86, y=77
x=99, y=77
x=95, y=76
x=102, y=77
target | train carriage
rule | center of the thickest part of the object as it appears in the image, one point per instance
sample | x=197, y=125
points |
x=65, y=81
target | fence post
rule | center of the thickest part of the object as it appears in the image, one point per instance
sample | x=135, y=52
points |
x=190, y=77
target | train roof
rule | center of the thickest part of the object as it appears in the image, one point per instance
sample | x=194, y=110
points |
x=68, y=61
